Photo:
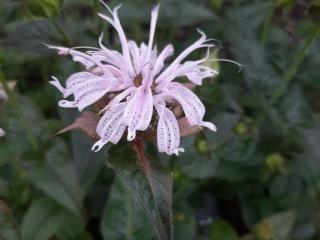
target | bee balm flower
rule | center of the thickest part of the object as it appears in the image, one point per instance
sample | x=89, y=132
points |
x=141, y=88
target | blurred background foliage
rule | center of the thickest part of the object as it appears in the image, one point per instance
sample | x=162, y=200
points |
x=258, y=177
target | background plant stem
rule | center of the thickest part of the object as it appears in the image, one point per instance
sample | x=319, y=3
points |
x=266, y=24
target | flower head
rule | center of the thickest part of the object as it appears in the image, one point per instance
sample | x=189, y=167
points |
x=142, y=92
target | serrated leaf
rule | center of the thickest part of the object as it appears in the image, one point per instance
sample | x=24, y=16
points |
x=121, y=211
x=149, y=183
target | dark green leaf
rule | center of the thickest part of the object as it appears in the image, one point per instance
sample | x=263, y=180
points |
x=222, y=230
x=121, y=210
x=45, y=219
x=150, y=184
x=57, y=177
x=43, y=8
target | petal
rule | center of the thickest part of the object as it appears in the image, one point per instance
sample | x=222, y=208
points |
x=198, y=44
x=85, y=97
x=110, y=127
x=138, y=113
x=166, y=52
x=76, y=79
x=191, y=105
x=154, y=17
x=55, y=82
x=191, y=100
x=197, y=74
x=135, y=53
x=168, y=134
x=87, y=60
x=120, y=97
x=115, y=22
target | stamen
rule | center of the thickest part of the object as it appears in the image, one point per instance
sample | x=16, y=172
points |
x=137, y=80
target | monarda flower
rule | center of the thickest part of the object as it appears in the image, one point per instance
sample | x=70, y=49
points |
x=143, y=93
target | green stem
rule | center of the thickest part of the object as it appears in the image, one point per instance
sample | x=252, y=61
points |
x=293, y=68
x=18, y=112
x=266, y=24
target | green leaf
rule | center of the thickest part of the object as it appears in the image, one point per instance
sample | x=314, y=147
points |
x=193, y=164
x=185, y=226
x=56, y=176
x=172, y=12
x=278, y=226
x=121, y=211
x=294, y=109
x=43, y=8
x=87, y=163
x=45, y=219
x=15, y=133
x=9, y=229
x=149, y=183
x=222, y=230
x=239, y=28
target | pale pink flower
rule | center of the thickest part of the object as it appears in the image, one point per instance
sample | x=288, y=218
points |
x=142, y=84
x=2, y=133
x=3, y=98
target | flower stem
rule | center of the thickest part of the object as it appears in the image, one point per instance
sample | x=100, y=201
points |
x=24, y=123
x=143, y=161
x=293, y=68
x=266, y=24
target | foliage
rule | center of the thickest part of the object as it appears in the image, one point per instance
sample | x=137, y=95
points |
x=256, y=178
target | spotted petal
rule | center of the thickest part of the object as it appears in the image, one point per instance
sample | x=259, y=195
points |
x=191, y=104
x=138, y=113
x=110, y=127
x=168, y=134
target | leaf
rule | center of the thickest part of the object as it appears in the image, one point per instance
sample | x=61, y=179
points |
x=239, y=28
x=9, y=229
x=172, y=12
x=30, y=36
x=278, y=226
x=222, y=230
x=56, y=177
x=87, y=163
x=45, y=219
x=294, y=109
x=43, y=9
x=15, y=133
x=185, y=226
x=121, y=211
x=193, y=164
x=149, y=183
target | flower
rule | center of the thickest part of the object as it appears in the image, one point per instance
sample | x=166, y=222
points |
x=143, y=92
x=4, y=98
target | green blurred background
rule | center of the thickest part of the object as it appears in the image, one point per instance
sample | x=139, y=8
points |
x=258, y=177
